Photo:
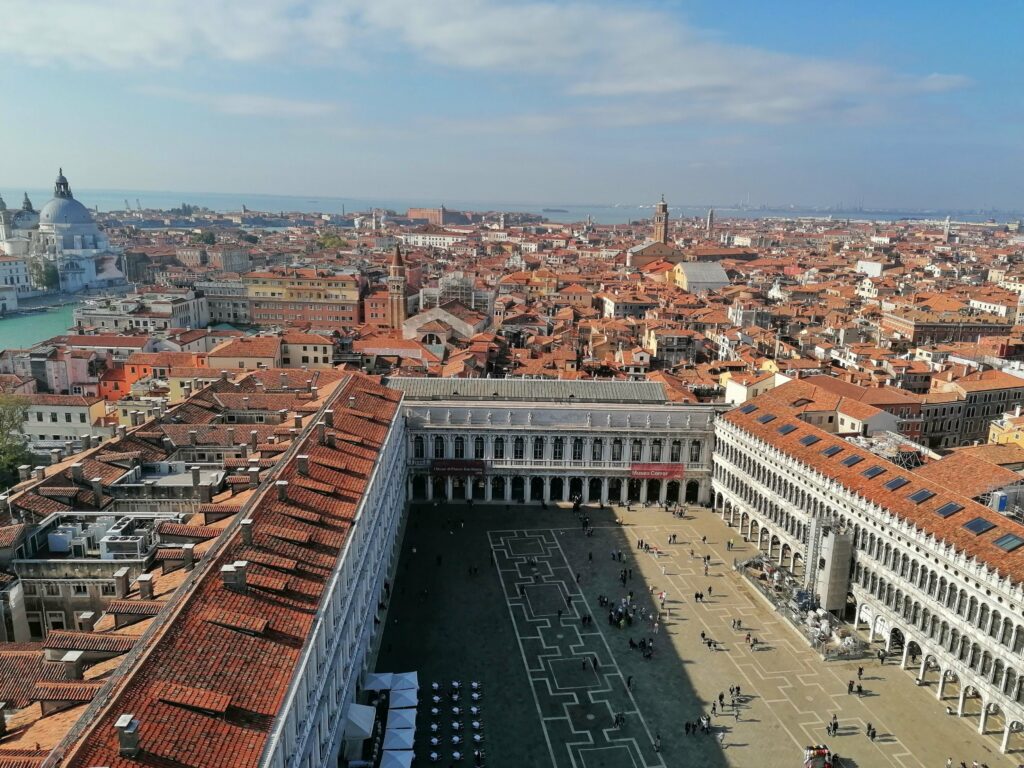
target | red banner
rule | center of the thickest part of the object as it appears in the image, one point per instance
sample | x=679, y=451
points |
x=458, y=467
x=656, y=471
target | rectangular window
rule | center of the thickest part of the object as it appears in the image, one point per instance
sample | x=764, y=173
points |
x=851, y=461
x=79, y=589
x=872, y=472
x=785, y=429
x=809, y=439
x=948, y=509
x=979, y=525
x=768, y=417
x=1008, y=542
x=922, y=495
x=748, y=408
x=896, y=483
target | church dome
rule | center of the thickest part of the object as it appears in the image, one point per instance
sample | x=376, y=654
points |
x=65, y=210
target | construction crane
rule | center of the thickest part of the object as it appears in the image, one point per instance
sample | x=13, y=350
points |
x=138, y=204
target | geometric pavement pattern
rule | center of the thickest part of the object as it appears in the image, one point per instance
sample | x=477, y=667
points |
x=576, y=700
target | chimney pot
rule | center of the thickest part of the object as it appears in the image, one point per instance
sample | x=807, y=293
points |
x=189, y=551
x=76, y=471
x=73, y=664
x=86, y=620
x=298, y=421
x=121, y=576
x=247, y=525
x=24, y=472
x=127, y=728
x=122, y=431
x=55, y=455
x=282, y=489
x=40, y=473
x=329, y=417
x=254, y=439
x=193, y=437
x=231, y=435
x=97, y=489
x=196, y=476
x=145, y=581
x=321, y=432
x=303, y=461
x=223, y=375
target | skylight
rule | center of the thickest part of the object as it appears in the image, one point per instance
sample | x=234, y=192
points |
x=874, y=471
x=832, y=450
x=766, y=418
x=785, y=429
x=896, y=483
x=950, y=508
x=748, y=408
x=922, y=495
x=1008, y=542
x=979, y=525
x=809, y=439
x=851, y=461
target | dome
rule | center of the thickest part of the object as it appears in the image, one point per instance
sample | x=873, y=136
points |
x=65, y=210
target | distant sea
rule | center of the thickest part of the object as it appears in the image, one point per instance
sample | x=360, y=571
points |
x=622, y=213
x=22, y=331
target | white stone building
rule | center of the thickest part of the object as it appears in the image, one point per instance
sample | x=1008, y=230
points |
x=499, y=440
x=935, y=575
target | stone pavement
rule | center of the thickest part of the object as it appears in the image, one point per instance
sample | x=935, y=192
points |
x=543, y=707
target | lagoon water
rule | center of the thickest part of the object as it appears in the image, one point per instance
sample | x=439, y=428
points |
x=21, y=331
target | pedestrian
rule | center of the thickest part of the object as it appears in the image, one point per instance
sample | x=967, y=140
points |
x=590, y=557
x=703, y=539
x=721, y=739
x=867, y=730
x=860, y=673
x=860, y=690
x=709, y=590
x=657, y=742
x=629, y=683
x=849, y=687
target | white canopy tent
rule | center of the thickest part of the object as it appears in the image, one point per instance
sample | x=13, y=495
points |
x=402, y=718
x=403, y=681
x=378, y=681
x=396, y=758
x=398, y=738
x=402, y=699
x=360, y=722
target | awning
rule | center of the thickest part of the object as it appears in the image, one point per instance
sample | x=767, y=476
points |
x=360, y=722
x=377, y=681
x=401, y=699
x=402, y=681
x=398, y=738
x=396, y=758
x=402, y=718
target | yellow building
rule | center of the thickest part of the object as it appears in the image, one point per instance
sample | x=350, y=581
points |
x=1007, y=430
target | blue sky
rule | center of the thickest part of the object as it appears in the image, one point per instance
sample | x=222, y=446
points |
x=910, y=104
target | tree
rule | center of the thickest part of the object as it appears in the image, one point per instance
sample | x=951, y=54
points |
x=206, y=238
x=249, y=238
x=13, y=441
x=44, y=275
x=332, y=241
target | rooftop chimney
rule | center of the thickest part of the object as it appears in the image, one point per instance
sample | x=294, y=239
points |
x=321, y=432
x=145, y=586
x=196, y=476
x=329, y=417
x=282, y=490
x=284, y=380
x=3, y=720
x=97, y=490
x=234, y=575
x=303, y=461
x=40, y=473
x=122, y=431
x=247, y=531
x=254, y=439
x=231, y=435
x=85, y=620
x=127, y=728
x=189, y=552
x=121, y=576
x=55, y=455
x=76, y=472
x=73, y=664
x=24, y=472
x=351, y=401
x=193, y=437
x=223, y=375
x=315, y=391
x=298, y=420
x=245, y=402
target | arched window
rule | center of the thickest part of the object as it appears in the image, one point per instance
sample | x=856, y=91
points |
x=460, y=447
x=417, y=447
x=478, y=448
x=499, y=447
x=695, y=449
x=577, y=449
x=656, y=450
x=438, y=447
x=637, y=450
x=517, y=448
x=616, y=449
x=676, y=453
x=538, y=448
x=558, y=449
x=597, y=450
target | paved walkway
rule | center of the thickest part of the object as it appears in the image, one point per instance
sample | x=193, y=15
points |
x=502, y=626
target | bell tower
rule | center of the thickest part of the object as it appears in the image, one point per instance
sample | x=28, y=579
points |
x=396, y=290
x=661, y=221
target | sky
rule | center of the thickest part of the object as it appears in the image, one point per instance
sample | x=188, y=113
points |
x=902, y=105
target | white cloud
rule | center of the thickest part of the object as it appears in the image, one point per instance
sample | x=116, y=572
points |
x=245, y=104
x=630, y=62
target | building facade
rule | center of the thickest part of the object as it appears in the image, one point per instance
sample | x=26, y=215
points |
x=479, y=441
x=934, y=575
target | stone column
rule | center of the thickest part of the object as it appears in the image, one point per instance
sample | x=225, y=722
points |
x=923, y=669
x=906, y=652
x=449, y=489
x=624, y=494
x=960, y=702
x=547, y=489
x=1005, y=743
x=663, y=493
x=942, y=684
x=430, y=488
x=604, y=490
x=468, y=487
x=565, y=488
x=508, y=488
x=983, y=718
x=586, y=490
x=643, y=491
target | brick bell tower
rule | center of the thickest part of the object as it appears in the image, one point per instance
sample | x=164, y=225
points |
x=396, y=290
